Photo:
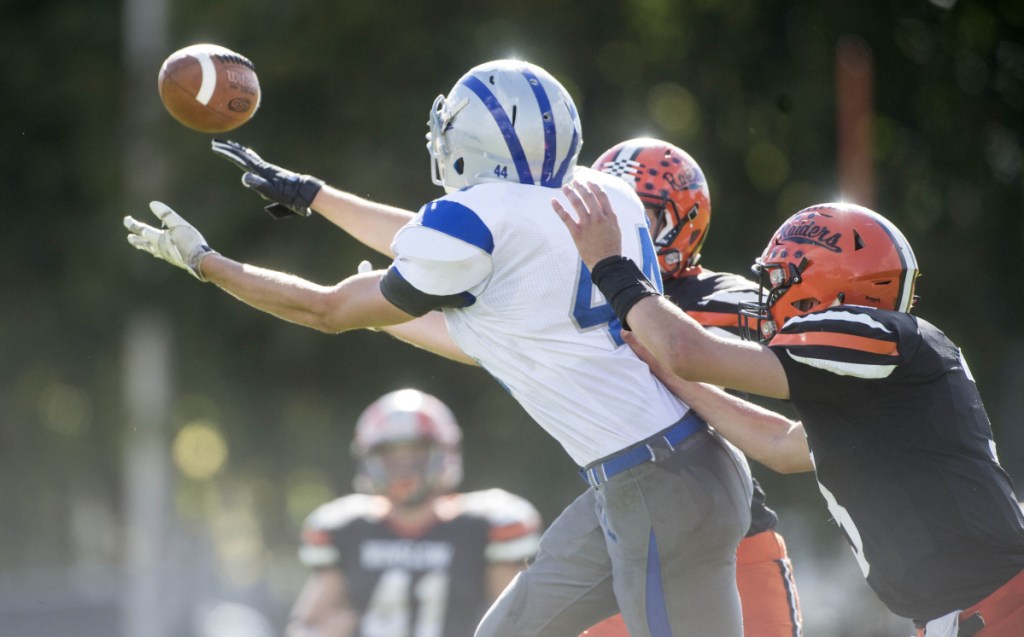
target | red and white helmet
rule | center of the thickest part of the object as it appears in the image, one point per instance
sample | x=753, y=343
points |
x=402, y=417
x=828, y=254
x=668, y=180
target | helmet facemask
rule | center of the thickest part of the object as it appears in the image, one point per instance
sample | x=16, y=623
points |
x=444, y=169
x=758, y=322
x=407, y=473
x=665, y=233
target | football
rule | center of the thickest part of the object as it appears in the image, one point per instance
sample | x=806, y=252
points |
x=209, y=88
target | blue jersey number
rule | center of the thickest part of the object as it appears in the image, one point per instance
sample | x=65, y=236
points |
x=588, y=316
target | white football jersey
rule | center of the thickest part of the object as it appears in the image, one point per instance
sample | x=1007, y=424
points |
x=534, y=320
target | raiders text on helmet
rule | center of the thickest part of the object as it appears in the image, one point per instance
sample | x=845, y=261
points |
x=828, y=254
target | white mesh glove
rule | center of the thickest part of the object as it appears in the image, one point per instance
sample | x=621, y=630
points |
x=177, y=243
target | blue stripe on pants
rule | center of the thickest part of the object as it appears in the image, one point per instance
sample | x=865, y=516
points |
x=657, y=614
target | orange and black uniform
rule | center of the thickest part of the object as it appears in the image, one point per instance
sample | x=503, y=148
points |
x=904, y=455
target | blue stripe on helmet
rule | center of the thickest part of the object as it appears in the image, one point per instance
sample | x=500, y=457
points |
x=508, y=131
x=456, y=220
x=550, y=137
x=559, y=177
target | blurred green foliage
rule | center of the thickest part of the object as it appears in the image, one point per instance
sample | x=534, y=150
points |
x=745, y=86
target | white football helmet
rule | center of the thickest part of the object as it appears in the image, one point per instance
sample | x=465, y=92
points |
x=505, y=120
x=414, y=419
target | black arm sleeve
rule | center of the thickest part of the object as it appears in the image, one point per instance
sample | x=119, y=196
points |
x=407, y=298
x=622, y=283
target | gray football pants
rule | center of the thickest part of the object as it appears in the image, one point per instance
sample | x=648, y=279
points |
x=656, y=542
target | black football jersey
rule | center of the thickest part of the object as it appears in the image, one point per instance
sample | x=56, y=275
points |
x=433, y=584
x=712, y=299
x=904, y=456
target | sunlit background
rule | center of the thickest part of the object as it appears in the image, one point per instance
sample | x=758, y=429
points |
x=160, y=443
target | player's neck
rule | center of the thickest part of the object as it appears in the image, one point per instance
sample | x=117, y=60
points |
x=411, y=521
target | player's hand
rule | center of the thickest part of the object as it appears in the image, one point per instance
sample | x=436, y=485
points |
x=177, y=243
x=595, y=229
x=291, y=193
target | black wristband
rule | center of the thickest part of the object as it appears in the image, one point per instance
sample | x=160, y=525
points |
x=622, y=283
x=309, y=188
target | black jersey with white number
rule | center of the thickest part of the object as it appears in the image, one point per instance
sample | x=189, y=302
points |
x=430, y=584
x=712, y=299
x=904, y=456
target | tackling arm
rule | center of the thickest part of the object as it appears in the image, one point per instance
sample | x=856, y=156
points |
x=678, y=341
x=694, y=353
x=768, y=437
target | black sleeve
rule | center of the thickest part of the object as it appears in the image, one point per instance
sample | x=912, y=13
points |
x=407, y=298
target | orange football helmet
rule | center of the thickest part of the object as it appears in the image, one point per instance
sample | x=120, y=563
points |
x=829, y=254
x=670, y=182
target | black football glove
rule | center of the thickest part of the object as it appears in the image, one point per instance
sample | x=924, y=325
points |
x=291, y=193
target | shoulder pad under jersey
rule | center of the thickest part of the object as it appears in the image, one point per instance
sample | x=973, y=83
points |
x=446, y=249
x=847, y=340
x=317, y=549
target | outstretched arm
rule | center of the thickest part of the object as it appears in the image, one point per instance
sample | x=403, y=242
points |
x=373, y=224
x=678, y=341
x=291, y=193
x=353, y=303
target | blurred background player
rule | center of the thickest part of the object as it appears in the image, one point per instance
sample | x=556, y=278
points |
x=675, y=195
x=406, y=556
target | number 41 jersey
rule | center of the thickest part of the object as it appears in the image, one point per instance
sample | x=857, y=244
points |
x=433, y=584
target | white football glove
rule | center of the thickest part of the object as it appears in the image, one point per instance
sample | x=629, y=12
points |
x=177, y=243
